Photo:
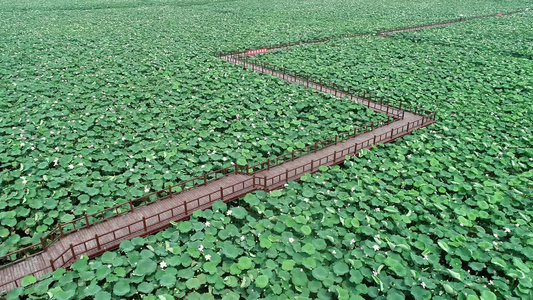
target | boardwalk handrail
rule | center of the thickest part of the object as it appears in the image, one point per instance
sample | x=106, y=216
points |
x=390, y=107
x=91, y=219
x=88, y=220
x=98, y=244
x=376, y=32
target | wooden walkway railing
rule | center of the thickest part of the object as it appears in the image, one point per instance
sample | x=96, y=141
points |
x=90, y=235
x=95, y=244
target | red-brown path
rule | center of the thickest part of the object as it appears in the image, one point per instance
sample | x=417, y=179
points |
x=234, y=186
x=146, y=220
x=156, y=216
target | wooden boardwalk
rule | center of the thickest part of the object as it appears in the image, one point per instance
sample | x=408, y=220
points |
x=102, y=237
x=94, y=240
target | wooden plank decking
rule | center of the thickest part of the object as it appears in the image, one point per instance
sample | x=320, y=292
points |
x=108, y=235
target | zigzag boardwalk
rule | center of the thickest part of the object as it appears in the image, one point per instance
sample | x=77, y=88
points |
x=99, y=238
x=96, y=234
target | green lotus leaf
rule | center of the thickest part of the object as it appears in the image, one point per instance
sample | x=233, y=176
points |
x=340, y=268
x=168, y=280
x=306, y=230
x=28, y=280
x=299, y=278
x=122, y=287
x=231, y=250
x=92, y=289
x=288, y=265
x=261, y=281
x=145, y=266
x=251, y=199
x=244, y=263
x=193, y=283
x=320, y=273
x=102, y=295
x=239, y=212
x=488, y=295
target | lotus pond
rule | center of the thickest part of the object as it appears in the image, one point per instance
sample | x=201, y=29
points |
x=442, y=214
x=104, y=101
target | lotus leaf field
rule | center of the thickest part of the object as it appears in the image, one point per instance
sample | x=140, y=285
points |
x=104, y=101
x=108, y=100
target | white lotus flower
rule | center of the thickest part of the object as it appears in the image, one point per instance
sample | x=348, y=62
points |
x=376, y=247
x=229, y=212
x=208, y=257
x=207, y=224
x=163, y=264
x=291, y=240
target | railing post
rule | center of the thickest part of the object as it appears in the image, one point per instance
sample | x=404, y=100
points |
x=391, y=132
x=97, y=241
x=131, y=206
x=52, y=265
x=268, y=164
x=387, y=110
x=400, y=104
x=72, y=250
x=312, y=161
x=355, y=150
x=170, y=191
x=87, y=219
x=60, y=229
x=292, y=154
x=349, y=91
x=407, y=126
x=144, y=222
x=265, y=183
x=372, y=125
x=287, y=175
x=253, y=181
x=334, y=156
x=374, y=140
x=205, y=179
x=43, y=244
x=247, y=169
x=222, y=193
x=316, y=146
x=236, y=168
x=403, y=114
x=336, y=136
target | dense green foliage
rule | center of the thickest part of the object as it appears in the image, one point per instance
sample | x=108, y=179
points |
x=444, y=213
x=105, y=100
